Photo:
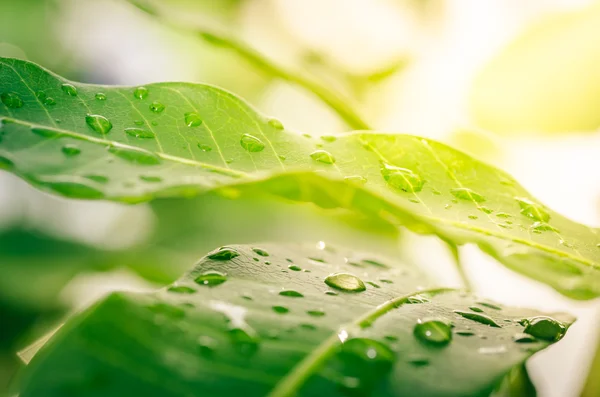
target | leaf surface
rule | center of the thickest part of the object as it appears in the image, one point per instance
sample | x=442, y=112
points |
x=268, y=320
x=176, y=139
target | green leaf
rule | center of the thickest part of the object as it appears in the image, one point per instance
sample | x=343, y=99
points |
x=262, y=320
x=201, y=143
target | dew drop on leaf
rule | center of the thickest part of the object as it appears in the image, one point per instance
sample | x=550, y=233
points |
x=418, y=361
x=465, y=193
x=11, y=100
x=211, y=278
x=192, y=119
x=141, y=92
x=204, y=147
x=503, y=215
x=46, y=132
x=97, y=178
x=150, y=178
x=545, y=328
x=478, y=317
x=322, y=156
x=345, y=282
x=260, y=251
x=316, y=313
x=49, y=101
x=543, y=227
x=356, y=179
x=69, y=89
x=280, y=309
x=329, y=138
x=98, y=123
x=295, y=268
x=532, y=210
x=181, y=289
x=251, y=143
x=136, y=156
x=139, y=133
x=523, y=338
x=70, y=150
x=476, y=309
x=433, y=331
x=100, y=96
x=41, y=95
x=224, y=254
x=275, y=124
x=291, y=293
x=157, y=107
x=465, y=333
x=485, y=209
x=401, y=178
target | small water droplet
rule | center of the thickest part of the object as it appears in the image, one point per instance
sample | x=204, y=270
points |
x=465, y=333
x=97, y=178
x=464, y=193
x=315, y=313
x=70, y=150
x=543, y=327
x=543, y=227
x=532, y=210
x=356, y=179
x=474, y=217
x=275, y=124
x=433, y=331
x=260, y=251
x=384, y=280
x=181, y=289
x=476, y=309
x=73, y=189
x=503, y=215
x=150, y=178
x=331, y=293
x=291, y=293
x=478, y=317
x=49, y=101
x=485, y=209
x=41, y=95
x=224, y=254
x=211, y=278
x=157, y=107
x=280, y=309
x=416, y=299
x=98, y=123
x=418, y=361
x=345, y=282
x=401, y=178
x=372, y=284
x=136, y=156
x=294, y=268
x=141, y=92
x=100, y=96
x=11, y=100
x=192, y=119
x=204, y=147
x=139, y=133
x=329, y=138
x=565, y=243
x=69, y=89
x=251, y=143
x=524, y=338
x=322, y=156
x=138, y=122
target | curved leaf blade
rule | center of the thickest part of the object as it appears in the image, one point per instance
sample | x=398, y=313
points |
x=205, y=138
x=261, y=327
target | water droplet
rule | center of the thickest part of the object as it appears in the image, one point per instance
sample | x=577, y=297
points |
x=281, y=157
x=485, y=209
x=181, y=289
x=478, y=317
x=224, y=254
x=204, y=147
x=565, y=243
x=315, y=313
x=260, y=252
x=69, y=89
x=492, y=350
x=100, y=96
x=433, y=331
x=49, y=101
x=464, y=193
x=545, y=328
x=150, y=178
x=139, y=133
x=384, y=280
x=97, y=178
x=401, y=178
x=138, y=122
x=211, y=278
x=291, y=293
x=532, y=210
x=307, y=326
x=345, y=282
x=73, y=189
x=465, y=333
x=416, y=299
x=476, y=309
x=192, y=119
x=322, y=156
x=275, y=124
x=98, y=123
x=41, y=95
x=329, y=138
x=524, y=338
x=294, y=268
x=418, y=361
x=136, y=156
x=474, y=217
x=251, y=143
x=11, y=100
x=542, y=227
x=503, y=215
x=70, y=150
x=140, y=92
x=157, y=107
x=280, y=309
x=245, y=341
x=331, y=293
x=356, y=179
x=391, y=338
x=372, y=284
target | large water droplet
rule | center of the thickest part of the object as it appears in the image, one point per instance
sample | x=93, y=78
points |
x=465, y=193
x=157, y=107
x=136, y=156
x=322, y=156
x=69, y=89
x=139, y=133
x=211, y=278
x=433, y=331
x=11, y=100
x=291, y=293
x=70, y=150
x=478, y=317
x=141, y=92
x=545, y=328
x=98, y=123
x=224, y=254
x=345, y=282
x=401, y=178
x=251, y=143
x=192, y=119
x=532, y=210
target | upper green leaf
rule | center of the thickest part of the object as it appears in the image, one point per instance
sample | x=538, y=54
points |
x=177, y=139
x=285, y=321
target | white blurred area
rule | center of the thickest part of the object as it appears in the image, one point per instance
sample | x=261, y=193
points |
x=446, y=42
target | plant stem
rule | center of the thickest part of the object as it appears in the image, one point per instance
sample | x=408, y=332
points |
x=333, y=99
x=459, y=265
